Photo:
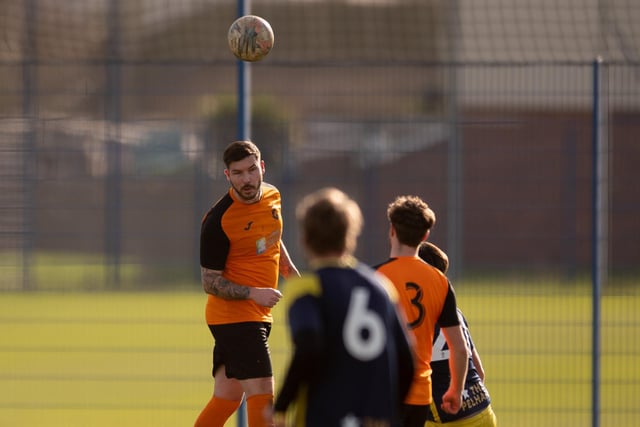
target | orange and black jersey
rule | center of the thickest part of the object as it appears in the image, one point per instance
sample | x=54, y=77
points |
x=243, y=241
x=427, y=298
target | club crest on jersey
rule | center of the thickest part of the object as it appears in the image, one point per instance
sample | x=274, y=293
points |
x=275, y=214
x=261, y=245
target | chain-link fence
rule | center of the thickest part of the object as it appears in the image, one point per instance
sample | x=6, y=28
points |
x=113, y=116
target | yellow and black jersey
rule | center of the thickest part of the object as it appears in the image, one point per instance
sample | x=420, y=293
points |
x=475, y=396
x=427, y=298
x=243, y=241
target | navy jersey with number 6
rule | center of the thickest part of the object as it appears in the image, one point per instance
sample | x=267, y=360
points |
x=352, y=363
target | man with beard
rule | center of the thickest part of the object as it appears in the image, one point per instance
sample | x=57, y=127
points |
x=241, y=256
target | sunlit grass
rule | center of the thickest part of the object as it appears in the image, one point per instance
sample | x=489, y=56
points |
x=131, y=359
x=54, y=271
x=74, y=358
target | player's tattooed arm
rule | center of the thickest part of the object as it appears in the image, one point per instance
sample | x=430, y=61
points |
x=213, y=283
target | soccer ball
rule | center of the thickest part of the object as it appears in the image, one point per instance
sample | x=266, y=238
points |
x=250, y=38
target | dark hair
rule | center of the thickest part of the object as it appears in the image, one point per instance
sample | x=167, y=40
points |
x=238, y=150
x=412, y=218
x=330, y=222
x=432, y=254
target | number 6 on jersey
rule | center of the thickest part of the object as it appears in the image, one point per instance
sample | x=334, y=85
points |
x=363, y=332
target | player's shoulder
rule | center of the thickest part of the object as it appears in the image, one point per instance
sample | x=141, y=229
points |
x=223, y=202
x=385, y=264
x=219, y=207
x=306, y=285
x=378, y=280
x=404, y=264
x=269, y=189
x=433, y=271
x=387, y=286
x=444, y=280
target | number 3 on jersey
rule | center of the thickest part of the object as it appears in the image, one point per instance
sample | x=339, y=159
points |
x=416, y=301
x=363, y=333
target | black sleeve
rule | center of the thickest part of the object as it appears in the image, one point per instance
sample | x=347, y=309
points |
x=377, y=266
x=303, y=366
x=214, y=243
x=449, y=315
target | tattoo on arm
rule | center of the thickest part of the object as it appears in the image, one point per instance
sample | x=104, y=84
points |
x=286, y=265
x=213, y=283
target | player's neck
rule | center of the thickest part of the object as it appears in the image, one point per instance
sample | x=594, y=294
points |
x=255, y=199
x=400, y=250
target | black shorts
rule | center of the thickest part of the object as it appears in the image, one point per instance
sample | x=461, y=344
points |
x=243, y=349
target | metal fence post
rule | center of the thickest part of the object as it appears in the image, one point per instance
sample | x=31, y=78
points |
x=113, y=180
x=244, y=132
x=454, y=153
x=599, y=230
x=29, y=156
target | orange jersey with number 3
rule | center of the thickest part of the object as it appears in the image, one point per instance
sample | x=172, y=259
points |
x=423, y=291
x=243, y=241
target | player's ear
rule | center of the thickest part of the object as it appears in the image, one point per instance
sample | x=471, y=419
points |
x=426, y=235
x=262, y=166
x=226, y=173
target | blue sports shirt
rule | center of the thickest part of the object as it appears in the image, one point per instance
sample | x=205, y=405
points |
x=352, y=361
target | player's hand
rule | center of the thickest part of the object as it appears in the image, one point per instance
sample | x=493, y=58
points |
x=266, y=297
x=451, y=402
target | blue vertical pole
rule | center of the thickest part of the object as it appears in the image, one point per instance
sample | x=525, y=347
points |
x=113, y=180
x=455, y=177
x=244, y=133
x=597, y=250
x=29, y=152
x=244, y=85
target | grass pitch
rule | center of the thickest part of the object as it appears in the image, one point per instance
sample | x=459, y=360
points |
x=144, y=359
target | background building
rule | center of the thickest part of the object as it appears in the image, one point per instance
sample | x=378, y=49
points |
x=114, y=114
